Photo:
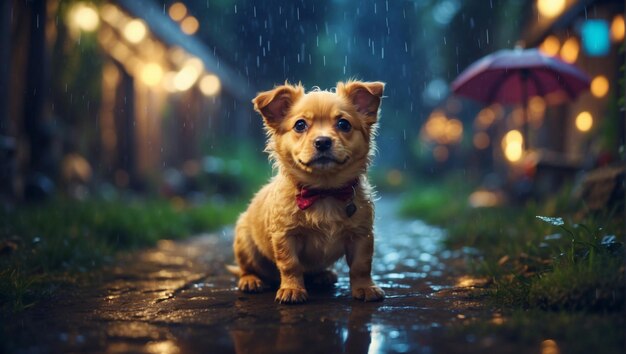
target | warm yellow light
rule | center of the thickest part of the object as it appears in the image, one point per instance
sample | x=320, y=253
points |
x=195, y=63
x=190, y=25
x=210, y=85
x=550, y=46
x=485, y=117
x=481, y=140
x=85, y=17
x=513, y=152
x=584, y=121
x=512, y=144
x=514, y=137
x=110, y=13
x=177, y=11
x=599, y=86
x=550, y=8
x=570, y=50
x=168, y=81
x=151, y=74
x=549, y=346
x=453, y=131
x=436, y=125
x=135, y=31
x=185, y=78
x=618, y=28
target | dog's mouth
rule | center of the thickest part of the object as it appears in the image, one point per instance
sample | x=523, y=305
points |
x=324, y=160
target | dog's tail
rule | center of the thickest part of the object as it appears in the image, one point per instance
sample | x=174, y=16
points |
x=233, y=269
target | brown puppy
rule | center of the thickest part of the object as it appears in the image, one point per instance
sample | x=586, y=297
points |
x=319, y=205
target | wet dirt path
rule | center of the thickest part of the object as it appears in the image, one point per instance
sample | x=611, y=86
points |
x=178, y=298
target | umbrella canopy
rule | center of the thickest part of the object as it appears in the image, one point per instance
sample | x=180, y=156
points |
x=512, y=76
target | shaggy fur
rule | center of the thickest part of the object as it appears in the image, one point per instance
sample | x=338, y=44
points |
x=276, y=243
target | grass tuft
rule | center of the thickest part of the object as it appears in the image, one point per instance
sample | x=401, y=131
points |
x=46, y=246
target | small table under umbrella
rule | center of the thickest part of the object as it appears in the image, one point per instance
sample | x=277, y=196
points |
x=512, y=76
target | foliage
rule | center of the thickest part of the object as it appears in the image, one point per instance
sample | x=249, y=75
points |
x=572, y=262
x=43, y=246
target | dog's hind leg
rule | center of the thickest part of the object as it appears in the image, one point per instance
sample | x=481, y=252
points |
x=255, y=271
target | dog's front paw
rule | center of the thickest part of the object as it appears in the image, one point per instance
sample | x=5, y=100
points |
x=369, y=293
x=250, y=284
x=291, y=295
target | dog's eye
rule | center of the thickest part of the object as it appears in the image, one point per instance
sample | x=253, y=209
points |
x=344, y=125
x=300, y=126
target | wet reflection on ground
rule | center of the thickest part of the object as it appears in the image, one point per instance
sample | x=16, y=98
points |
x=178, y=298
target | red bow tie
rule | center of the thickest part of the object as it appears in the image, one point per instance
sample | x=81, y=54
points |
x=307, y=197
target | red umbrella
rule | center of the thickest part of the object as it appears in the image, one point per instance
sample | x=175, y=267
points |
x=512, y=76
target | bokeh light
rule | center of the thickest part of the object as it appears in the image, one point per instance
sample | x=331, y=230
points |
x=190, y=25
x=550, y=46
x=584, y=121
x=177, y=11
x=513, y=145
x=186, y=77
x=151, y=74
x=210, y=85
x=84, y=17
x=618, y=28
x=481, y=140
x=135, y=31
x=569, y=51
x=549, y=346
x=599, y=86
x=550, y=8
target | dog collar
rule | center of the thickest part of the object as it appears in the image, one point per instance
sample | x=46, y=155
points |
x=306, y=197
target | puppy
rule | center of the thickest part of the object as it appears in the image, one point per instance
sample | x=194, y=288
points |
x=318, y=207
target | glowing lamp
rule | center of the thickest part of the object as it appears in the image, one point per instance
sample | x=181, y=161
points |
x=190, y=25
x=550, y=8
x=135, y=31
x=151, y=74
x=596, y=37
x=210, y=85
x=177, y=11
x=584, y=121
x=84, y=17
x=550, y=46
x=618, y=28
x=599, y=86
x=185, y=78
x=570, y=49
x=513, y=145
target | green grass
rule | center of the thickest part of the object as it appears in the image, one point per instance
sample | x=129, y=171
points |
x=46, y=246
x=531, y=263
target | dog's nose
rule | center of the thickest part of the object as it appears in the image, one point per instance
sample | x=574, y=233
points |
x=322, y=143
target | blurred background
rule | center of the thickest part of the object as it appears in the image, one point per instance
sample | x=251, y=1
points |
x=152, y=97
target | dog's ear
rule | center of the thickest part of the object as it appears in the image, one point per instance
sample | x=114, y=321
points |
x=274, y=104
x=365, y=96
